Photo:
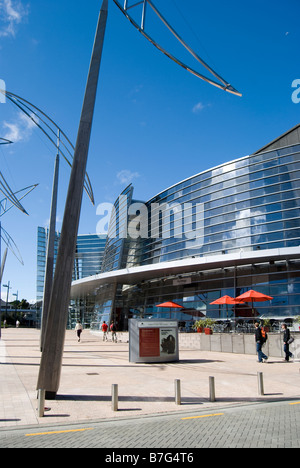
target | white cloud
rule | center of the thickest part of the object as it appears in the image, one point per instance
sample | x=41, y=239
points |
x=12, y=13
x=58, y=221
x=126, y=177
x=199, y=107
x=19, y=130
x=134, y=92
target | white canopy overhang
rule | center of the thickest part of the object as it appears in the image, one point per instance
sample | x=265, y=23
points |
x=138, y=274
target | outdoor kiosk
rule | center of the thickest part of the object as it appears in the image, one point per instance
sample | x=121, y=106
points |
x=153, y=340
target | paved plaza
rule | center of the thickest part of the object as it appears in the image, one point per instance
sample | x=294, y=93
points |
x=92, y=366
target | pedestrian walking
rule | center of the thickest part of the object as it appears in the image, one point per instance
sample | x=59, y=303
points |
x=78, y=329
x=113, y=330
x=104, y=329
x=286, y=342
x=259, y=343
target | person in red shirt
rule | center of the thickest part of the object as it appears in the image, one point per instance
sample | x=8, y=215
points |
x=113, y=330
x=104, y=329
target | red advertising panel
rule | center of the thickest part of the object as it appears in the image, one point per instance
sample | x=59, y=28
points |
x=149, y=342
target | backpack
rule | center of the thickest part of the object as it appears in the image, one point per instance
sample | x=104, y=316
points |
x=264, y=335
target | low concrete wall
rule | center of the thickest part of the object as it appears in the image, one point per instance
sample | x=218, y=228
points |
x=237, y=343
x=226, y=343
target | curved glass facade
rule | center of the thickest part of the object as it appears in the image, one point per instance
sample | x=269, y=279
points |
x=250, y=204
x=247, y=206
x=115, y=254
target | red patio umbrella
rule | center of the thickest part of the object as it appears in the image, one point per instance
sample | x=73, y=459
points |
x=227, y=300
x=170, y=305
x=254, y=296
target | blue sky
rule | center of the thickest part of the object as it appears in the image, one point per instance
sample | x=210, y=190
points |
x=155, y=124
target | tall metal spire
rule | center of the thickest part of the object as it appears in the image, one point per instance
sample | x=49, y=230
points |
x=50, y=248
x=51, y=360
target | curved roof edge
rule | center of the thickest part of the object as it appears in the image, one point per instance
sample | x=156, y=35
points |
x=289, y=138
x=189, y=265
x=198, y=173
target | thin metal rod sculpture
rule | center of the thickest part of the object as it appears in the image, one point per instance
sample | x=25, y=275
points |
x=51, y=360
x=50, y=129
x=4, y=205
x=221, y=83
x=10, y=243
x=9, y=194
x=4, y=141
x=1, y=276
x=3, y=264
x=50, y=250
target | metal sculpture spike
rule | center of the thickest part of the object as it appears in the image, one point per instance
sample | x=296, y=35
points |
x=220, y=83
x=4, y=141
x=50, y=129
x=12, y=246
x=9, y=194
x=6, y=204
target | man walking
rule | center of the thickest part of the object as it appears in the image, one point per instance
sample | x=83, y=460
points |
x=113, y=330
x=286, y=342
x=104, y=329
x=259, y=343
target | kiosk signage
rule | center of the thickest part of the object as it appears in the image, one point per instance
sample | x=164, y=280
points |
x=153, y=340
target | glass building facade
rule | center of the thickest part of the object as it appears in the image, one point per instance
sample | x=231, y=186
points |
x=42, y=243
x=247, y=210
x=88, y=261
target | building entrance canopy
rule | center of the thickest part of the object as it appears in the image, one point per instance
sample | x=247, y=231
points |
x=135, y=275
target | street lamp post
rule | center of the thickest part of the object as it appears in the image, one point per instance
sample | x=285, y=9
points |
x=7, y=296
x=17, y=297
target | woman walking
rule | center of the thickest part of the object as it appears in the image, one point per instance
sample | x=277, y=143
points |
x=78, y=329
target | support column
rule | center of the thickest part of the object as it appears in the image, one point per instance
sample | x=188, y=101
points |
x=51, y=360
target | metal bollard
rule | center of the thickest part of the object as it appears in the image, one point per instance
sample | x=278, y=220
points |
x=260, y=378
x=212, y=390
x=177, y=392
x=41, y=403
x=114, y=397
